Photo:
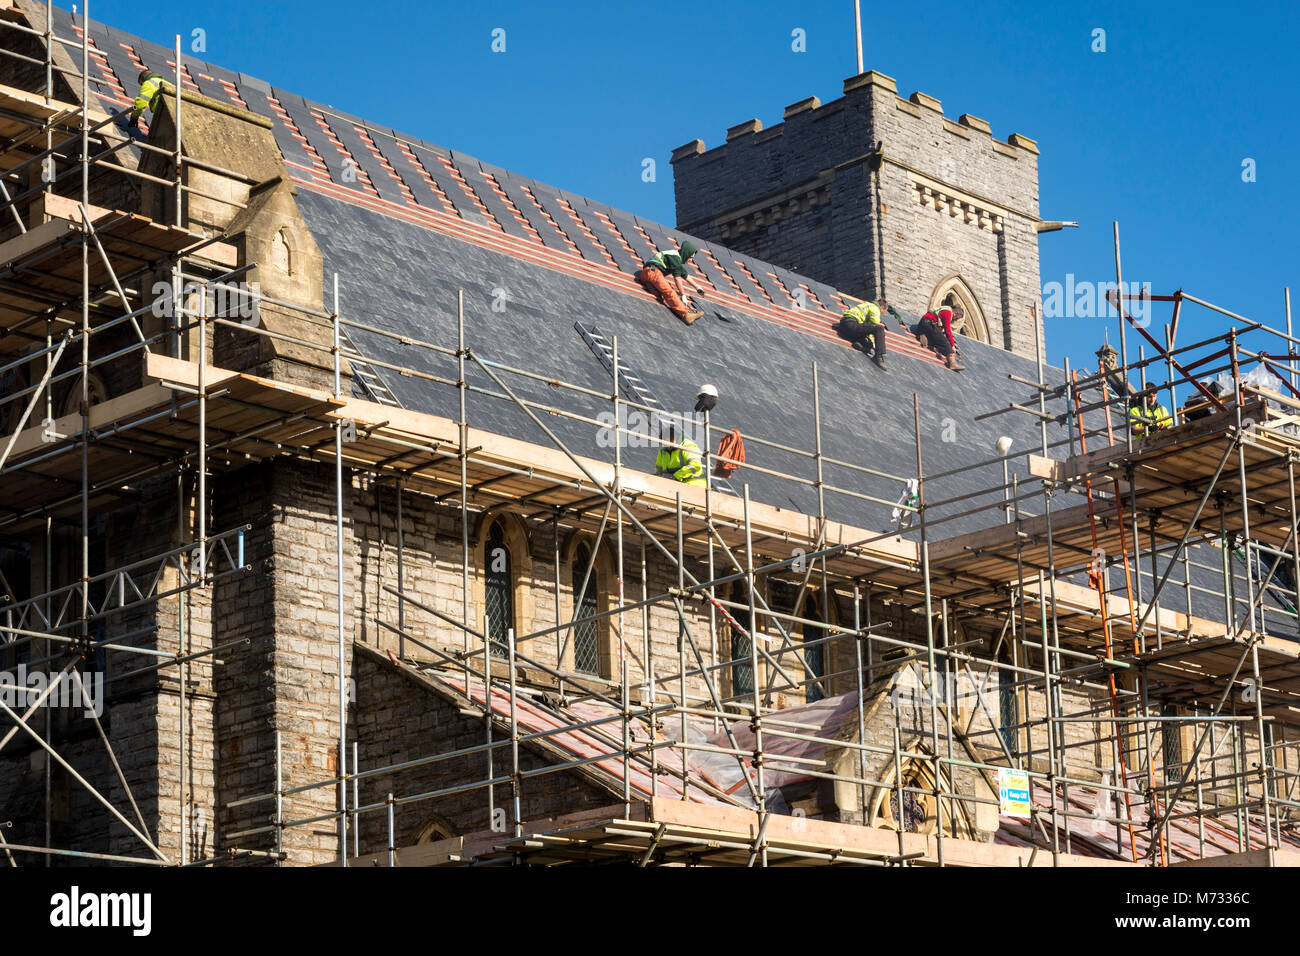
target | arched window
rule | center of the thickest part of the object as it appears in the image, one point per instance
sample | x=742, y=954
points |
x=72, y=398
x=433, y=830
x=954, y=292
x=1007, y=710
x=914, y=809
x=814, y=657
x=1171, y=740
x=586, y=644
x=742, y=668
x=281, y=255
x=498, y=589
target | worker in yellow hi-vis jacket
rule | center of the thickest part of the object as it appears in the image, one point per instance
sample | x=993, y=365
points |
x=147, y=99
x=680, y=459
x=861, y=324
x=1147, y=415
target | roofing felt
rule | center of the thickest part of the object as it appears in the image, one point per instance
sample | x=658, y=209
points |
x=1092, y=831
x=590, y=732
x=406, y=224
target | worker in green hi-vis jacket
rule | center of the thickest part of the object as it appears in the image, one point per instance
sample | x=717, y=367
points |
x=680, y=459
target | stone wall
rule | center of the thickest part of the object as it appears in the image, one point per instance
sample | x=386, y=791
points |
x=400, y=721
x=141, y=702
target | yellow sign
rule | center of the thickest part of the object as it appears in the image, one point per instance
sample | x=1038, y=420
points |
x=1013, y=792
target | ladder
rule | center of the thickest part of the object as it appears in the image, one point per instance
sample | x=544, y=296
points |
x=365, y=377
x=631, y=385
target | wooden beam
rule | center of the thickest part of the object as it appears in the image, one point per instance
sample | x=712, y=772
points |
x=34, y=106
x=545, y=463
x=33, y=239
x=61, y=207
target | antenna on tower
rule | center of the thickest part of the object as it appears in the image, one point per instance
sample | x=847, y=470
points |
x=857, y=30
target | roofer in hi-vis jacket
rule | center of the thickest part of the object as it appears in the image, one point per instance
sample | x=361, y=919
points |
x=147, y=99
x=662, y=275
x=679, y=458
x=861, y=325
x=935, y=331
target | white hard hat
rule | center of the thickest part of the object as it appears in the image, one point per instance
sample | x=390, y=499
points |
x=708, y=390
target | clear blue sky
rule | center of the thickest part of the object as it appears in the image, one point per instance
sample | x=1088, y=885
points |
x=1152, y=132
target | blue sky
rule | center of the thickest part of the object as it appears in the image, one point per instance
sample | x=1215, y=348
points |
x=1153, y=132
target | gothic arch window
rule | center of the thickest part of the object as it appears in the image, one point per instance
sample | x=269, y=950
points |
x=502, y=595
x=1008, y=712
x=809, y=631
x=72, y=400
x=814, y=657
x=586, y=653
x=914, y=810
x=498, y=588
x=433, y=830
x=954, y=292
x=281, y=252
x=589, y=644
x=1171, y=741
x=741, y=646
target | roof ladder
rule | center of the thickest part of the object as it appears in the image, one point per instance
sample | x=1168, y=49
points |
x=364, y=375
x=631, y=385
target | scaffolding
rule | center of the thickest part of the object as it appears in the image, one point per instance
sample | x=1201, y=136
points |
x=695, y=746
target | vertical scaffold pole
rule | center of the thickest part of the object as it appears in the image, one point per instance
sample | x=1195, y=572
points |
x=401, y=578
x=515, y=801
x=180, y=190
x=201, y=506
x=84, y=629
x=279, y=802
x=626, y=700
x=708, y=521
x=681, y=644
x=1123, y=336
x=760, y=787
x=859, y=638
x=825, y=602
x=1290, y=346
x=463, y=432
x=48, y=858
x=356, y=800
x=338, y=577
x=929, y=633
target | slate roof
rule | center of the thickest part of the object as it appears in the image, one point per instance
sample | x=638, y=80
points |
x=406, y=224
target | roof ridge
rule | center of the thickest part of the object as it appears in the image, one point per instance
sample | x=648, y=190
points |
x=760, y=292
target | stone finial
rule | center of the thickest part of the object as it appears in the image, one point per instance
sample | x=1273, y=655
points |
x=974, y=122
x=1023, y=142
x=749, y=126
x=1107, y=358
x=694, y=148
x=811, y=103
x=926, y=100
x=871, y=78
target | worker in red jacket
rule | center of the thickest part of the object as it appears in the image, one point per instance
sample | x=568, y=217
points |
x=935, y=331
